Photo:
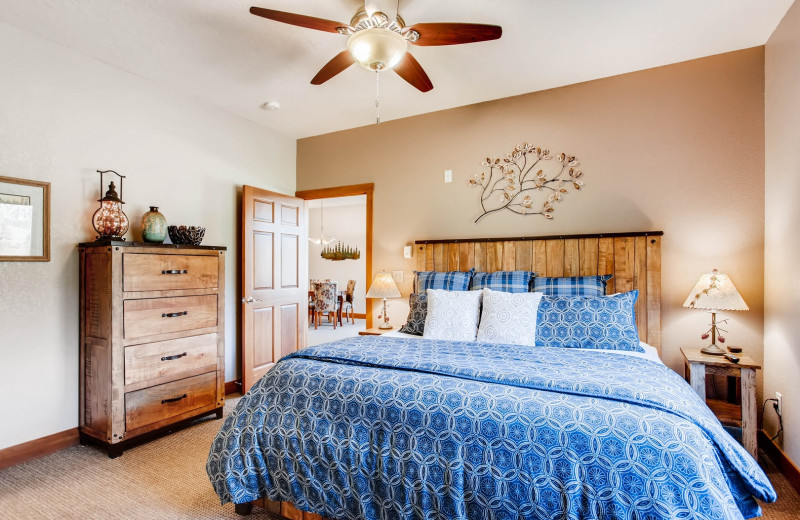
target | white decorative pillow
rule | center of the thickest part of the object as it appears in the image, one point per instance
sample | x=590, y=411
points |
x=452, y=315
x=509, y=318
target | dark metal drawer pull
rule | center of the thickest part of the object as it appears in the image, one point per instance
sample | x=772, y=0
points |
x=165, y=401
x=170, y=358
x=174, y=314
x=174, y=271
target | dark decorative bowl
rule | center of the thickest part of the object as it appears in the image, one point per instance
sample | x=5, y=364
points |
x=186, y=235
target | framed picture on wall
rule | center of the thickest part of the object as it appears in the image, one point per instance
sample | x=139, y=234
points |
x=24, y=220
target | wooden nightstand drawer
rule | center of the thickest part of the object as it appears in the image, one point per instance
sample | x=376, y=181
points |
x=170, y=358
x=153, y=316
x=161, y=402
x=149, y=272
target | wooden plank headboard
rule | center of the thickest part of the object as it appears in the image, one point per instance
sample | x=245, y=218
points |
x=633, y=258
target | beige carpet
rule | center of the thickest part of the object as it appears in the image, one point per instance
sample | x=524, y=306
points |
x=163, y=479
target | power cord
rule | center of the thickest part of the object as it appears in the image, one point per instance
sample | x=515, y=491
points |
x=780, y=418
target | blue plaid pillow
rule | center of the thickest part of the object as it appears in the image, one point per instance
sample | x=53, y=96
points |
x=447, y=281
x=505, y=281
x=602, y=322
x=572, y=285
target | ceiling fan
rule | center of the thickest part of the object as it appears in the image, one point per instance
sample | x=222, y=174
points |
x=378, y=42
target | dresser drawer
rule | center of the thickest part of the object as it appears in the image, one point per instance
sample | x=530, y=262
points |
x=170, y=358
x=161, y=402
x=152, y=316
x=151, y=272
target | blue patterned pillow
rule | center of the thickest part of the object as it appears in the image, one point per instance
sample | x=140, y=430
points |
x=418, y=310
x=603, y=322
x=572, y=285
x=504, y=281
x=443, y=280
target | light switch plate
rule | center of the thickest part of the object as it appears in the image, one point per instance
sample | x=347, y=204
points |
x=448, y=176
x=398, y=276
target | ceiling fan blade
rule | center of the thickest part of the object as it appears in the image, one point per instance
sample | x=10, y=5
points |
x=454, y=33
x=339, y=62
x=410, y=70
x=309, y=22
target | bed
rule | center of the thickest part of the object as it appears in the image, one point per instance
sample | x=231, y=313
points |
x=401, y=427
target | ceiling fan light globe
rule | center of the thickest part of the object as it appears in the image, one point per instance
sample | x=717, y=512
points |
x=377, y=49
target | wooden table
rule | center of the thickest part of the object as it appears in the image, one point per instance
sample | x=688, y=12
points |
x=375, y=331
x=697, y=365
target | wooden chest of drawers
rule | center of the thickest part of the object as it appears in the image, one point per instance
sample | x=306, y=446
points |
x=152, y=338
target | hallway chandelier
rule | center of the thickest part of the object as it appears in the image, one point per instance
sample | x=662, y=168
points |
x=322, y=240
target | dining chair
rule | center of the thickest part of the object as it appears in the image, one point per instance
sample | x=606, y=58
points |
x=326, y=301
x=347, y=304
x=312, y=289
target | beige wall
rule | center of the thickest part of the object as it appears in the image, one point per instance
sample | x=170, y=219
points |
x=677, y=148
x=65, y=115
x=782, y=245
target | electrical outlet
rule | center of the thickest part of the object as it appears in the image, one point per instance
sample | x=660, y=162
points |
x=779, y=403
x=448, y=176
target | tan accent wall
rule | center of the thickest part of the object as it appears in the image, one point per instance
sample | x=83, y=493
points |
x=677, y=148
x=782, y=216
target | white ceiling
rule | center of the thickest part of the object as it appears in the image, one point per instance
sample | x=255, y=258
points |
x=218, y=53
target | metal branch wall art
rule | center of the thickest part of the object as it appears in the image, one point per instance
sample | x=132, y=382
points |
x=522, y=184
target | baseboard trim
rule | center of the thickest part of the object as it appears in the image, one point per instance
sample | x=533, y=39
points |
x=779, y=458
x=233, y=387
x=36, y=448
x=360, y=316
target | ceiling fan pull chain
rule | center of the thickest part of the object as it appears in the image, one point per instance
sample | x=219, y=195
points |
x=377, y=97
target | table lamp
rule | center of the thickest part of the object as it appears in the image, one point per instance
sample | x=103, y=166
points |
x=715, y=292
x=383, y=287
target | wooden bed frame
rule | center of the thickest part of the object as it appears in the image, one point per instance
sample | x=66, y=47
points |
x=633, y=258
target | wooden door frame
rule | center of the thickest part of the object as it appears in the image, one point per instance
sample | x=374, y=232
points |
x=349, y=191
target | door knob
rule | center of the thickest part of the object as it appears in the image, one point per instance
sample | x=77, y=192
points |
x=250, y=299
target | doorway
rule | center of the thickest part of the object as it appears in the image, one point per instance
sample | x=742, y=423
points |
x=343, y=217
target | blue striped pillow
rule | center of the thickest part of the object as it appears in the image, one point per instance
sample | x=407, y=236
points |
x=504, y=281
x=603, y=322
x=572, y=285
x=442, y=280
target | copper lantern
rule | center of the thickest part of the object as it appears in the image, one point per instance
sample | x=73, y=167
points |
x=109, y=220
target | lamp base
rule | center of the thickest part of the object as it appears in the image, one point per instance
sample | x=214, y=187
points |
x=385, y=325
x=712, y=350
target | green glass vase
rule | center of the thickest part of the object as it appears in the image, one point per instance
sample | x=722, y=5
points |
x=154, y=226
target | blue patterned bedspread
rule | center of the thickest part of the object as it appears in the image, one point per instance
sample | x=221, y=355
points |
x=394, y=428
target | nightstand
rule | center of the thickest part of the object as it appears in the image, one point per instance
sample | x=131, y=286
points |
x=375, y=331
x=696, y=367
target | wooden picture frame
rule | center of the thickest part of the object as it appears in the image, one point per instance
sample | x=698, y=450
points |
x=24, y=220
